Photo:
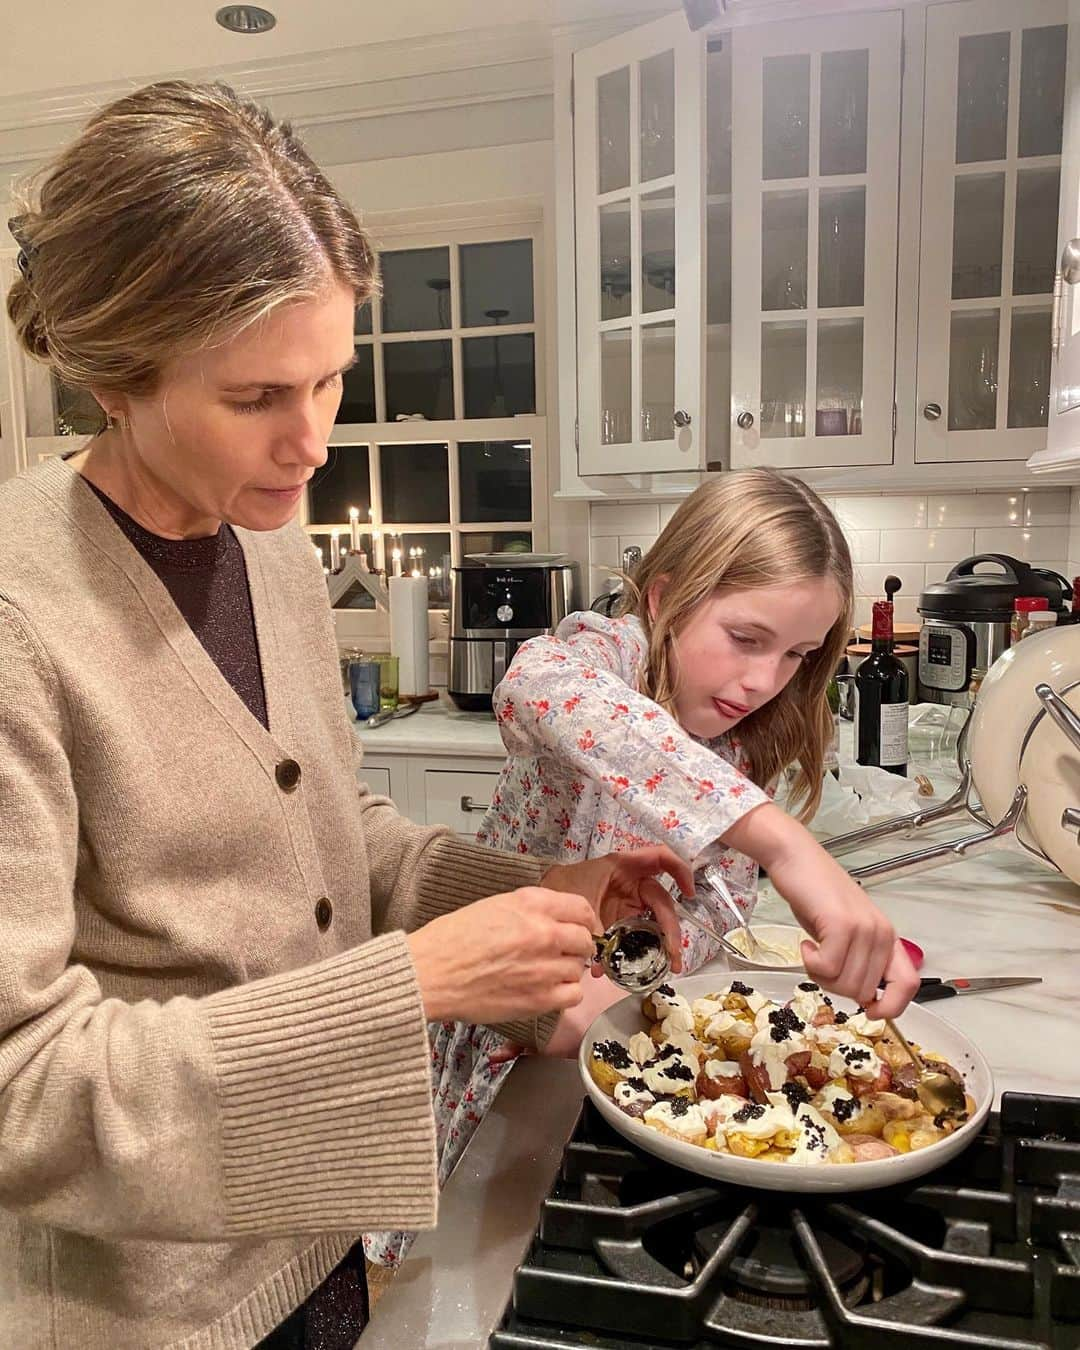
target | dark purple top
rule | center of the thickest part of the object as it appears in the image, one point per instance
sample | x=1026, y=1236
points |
x=208, y=582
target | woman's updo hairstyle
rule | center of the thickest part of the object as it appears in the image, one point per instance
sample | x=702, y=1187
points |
x=181, y=215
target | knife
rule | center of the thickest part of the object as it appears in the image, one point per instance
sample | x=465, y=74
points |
x=932, y=988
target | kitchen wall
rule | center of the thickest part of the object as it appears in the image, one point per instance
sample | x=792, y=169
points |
x=916, y=537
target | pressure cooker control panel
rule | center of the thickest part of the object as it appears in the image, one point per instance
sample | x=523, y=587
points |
x=945, y=653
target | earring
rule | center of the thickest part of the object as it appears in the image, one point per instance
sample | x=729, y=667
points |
x=117, y=421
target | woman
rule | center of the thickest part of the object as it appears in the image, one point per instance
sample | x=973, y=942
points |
x=219, y=955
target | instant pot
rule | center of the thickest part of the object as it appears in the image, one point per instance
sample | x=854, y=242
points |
x=966, y=622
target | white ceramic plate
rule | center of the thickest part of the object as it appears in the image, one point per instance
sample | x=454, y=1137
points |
x=621, y=1020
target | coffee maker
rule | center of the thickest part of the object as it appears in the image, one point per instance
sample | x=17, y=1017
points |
x=494, y=608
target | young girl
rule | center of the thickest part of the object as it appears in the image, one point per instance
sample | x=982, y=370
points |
x=672, y=723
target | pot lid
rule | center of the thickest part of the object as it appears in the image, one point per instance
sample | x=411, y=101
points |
x=989, y=596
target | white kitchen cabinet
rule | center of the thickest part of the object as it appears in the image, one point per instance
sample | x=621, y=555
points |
x=1062, y=450
x=639, y=116
x=995, y=81
x=816, y=136
x=377, y=778
x=458, y=798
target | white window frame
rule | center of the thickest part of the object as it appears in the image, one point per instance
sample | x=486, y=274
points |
x=409, y=232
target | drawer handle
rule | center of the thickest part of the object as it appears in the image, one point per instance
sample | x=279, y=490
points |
x=467, y=804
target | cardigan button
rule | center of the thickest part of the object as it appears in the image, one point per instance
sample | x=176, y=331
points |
x=287, y=774
x=324, y=913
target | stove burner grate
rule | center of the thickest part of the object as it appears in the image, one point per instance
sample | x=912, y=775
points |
x=983, y=1255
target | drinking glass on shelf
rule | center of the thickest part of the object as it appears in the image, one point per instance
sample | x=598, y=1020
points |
x=364, y=687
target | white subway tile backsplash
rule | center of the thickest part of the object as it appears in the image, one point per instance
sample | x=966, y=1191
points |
x=624, y=518
x=952, y=509
x=870, y=578
x=880, y=513
x=1046, y=508
x=938, y=571
x=604, y=551
x=906, y=609
x=865, y=545
x=863, y=611
x=667, y=510
x=925, y=545
x=641, y=541
x=1047, y=541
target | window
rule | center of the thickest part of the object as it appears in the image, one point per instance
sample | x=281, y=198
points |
x=440, y=439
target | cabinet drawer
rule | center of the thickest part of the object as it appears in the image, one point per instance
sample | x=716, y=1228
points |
x=456, y=798
x=378, y=780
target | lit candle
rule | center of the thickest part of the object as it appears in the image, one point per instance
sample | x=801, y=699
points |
x=396, y=561
x=335, y=551
x=354, y=529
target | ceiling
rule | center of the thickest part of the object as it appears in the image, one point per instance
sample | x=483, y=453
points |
x=54, y=45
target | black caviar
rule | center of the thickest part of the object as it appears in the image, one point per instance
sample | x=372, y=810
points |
x=680, y=1106
x=613, y=1053
x=796, y=1094
x=785, y=1022
x=737, y=987
x=843, y=1108
x=751, y=1111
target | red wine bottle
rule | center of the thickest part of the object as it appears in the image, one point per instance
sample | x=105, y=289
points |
x=881, y=695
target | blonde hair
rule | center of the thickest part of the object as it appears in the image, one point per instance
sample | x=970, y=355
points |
x=179, y=216
x=737, y=532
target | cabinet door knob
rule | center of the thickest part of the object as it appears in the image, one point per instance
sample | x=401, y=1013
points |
x=682, y=418
x=932, y=412
x=745, y=421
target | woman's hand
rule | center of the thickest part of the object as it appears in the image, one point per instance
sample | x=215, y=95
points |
x=516, y=955
x=621, y=885
x=855, y=950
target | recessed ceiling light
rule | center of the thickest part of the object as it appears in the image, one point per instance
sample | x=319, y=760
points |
x=245, y=19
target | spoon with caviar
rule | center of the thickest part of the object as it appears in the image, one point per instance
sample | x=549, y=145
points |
x=940, y=1094
x=633, y=955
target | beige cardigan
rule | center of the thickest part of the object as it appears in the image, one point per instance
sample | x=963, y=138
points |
x=205, y=1095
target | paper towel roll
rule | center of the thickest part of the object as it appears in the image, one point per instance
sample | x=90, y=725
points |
x=409, y=632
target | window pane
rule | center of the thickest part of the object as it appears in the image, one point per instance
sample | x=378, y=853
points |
x=613, y=129
x=841, y=246
x=615, y=260
x=615, y=348
x=431, y=555
x=415, y=483
x=418, y=379
x=358, y=388
x=343, y=481
x=416, y=290
x=1029, y=368
x=497, y=283
x=499, y=375
x=718, y=115
x=496, y=541
x=839, y=377
x=77, y=411
x=783, y=379
x=718, y=263
x=973, y=370
x=978, y=216
x=783, y=250
x=1036, y=231
x=362, y=324
x=982, y=97
x=495, y=478
x=657, y=250
x=785, y=132
x=658, y=382
x=656, y=93
x=844, y=86
x=1042, y=89
x=358, y=597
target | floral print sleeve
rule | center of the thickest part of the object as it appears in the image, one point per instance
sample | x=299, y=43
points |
x=572, y=697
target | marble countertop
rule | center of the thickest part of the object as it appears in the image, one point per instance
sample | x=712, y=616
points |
x=438, y=729
x=1001, y=914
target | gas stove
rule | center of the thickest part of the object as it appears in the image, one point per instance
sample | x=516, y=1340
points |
x=633, y=1253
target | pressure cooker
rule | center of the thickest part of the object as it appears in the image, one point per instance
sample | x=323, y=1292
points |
x=966, y=618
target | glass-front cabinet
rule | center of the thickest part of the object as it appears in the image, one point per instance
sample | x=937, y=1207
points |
x=639, y=208
x=814, y=183
x=995, y=89
x=740, y=237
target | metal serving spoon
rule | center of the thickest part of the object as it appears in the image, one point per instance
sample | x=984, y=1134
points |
x=939, y=1093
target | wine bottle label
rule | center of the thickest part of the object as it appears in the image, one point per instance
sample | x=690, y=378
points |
x=894, y=734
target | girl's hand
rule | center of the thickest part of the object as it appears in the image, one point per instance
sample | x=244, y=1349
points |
x=855, y=950
x=621, y=885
